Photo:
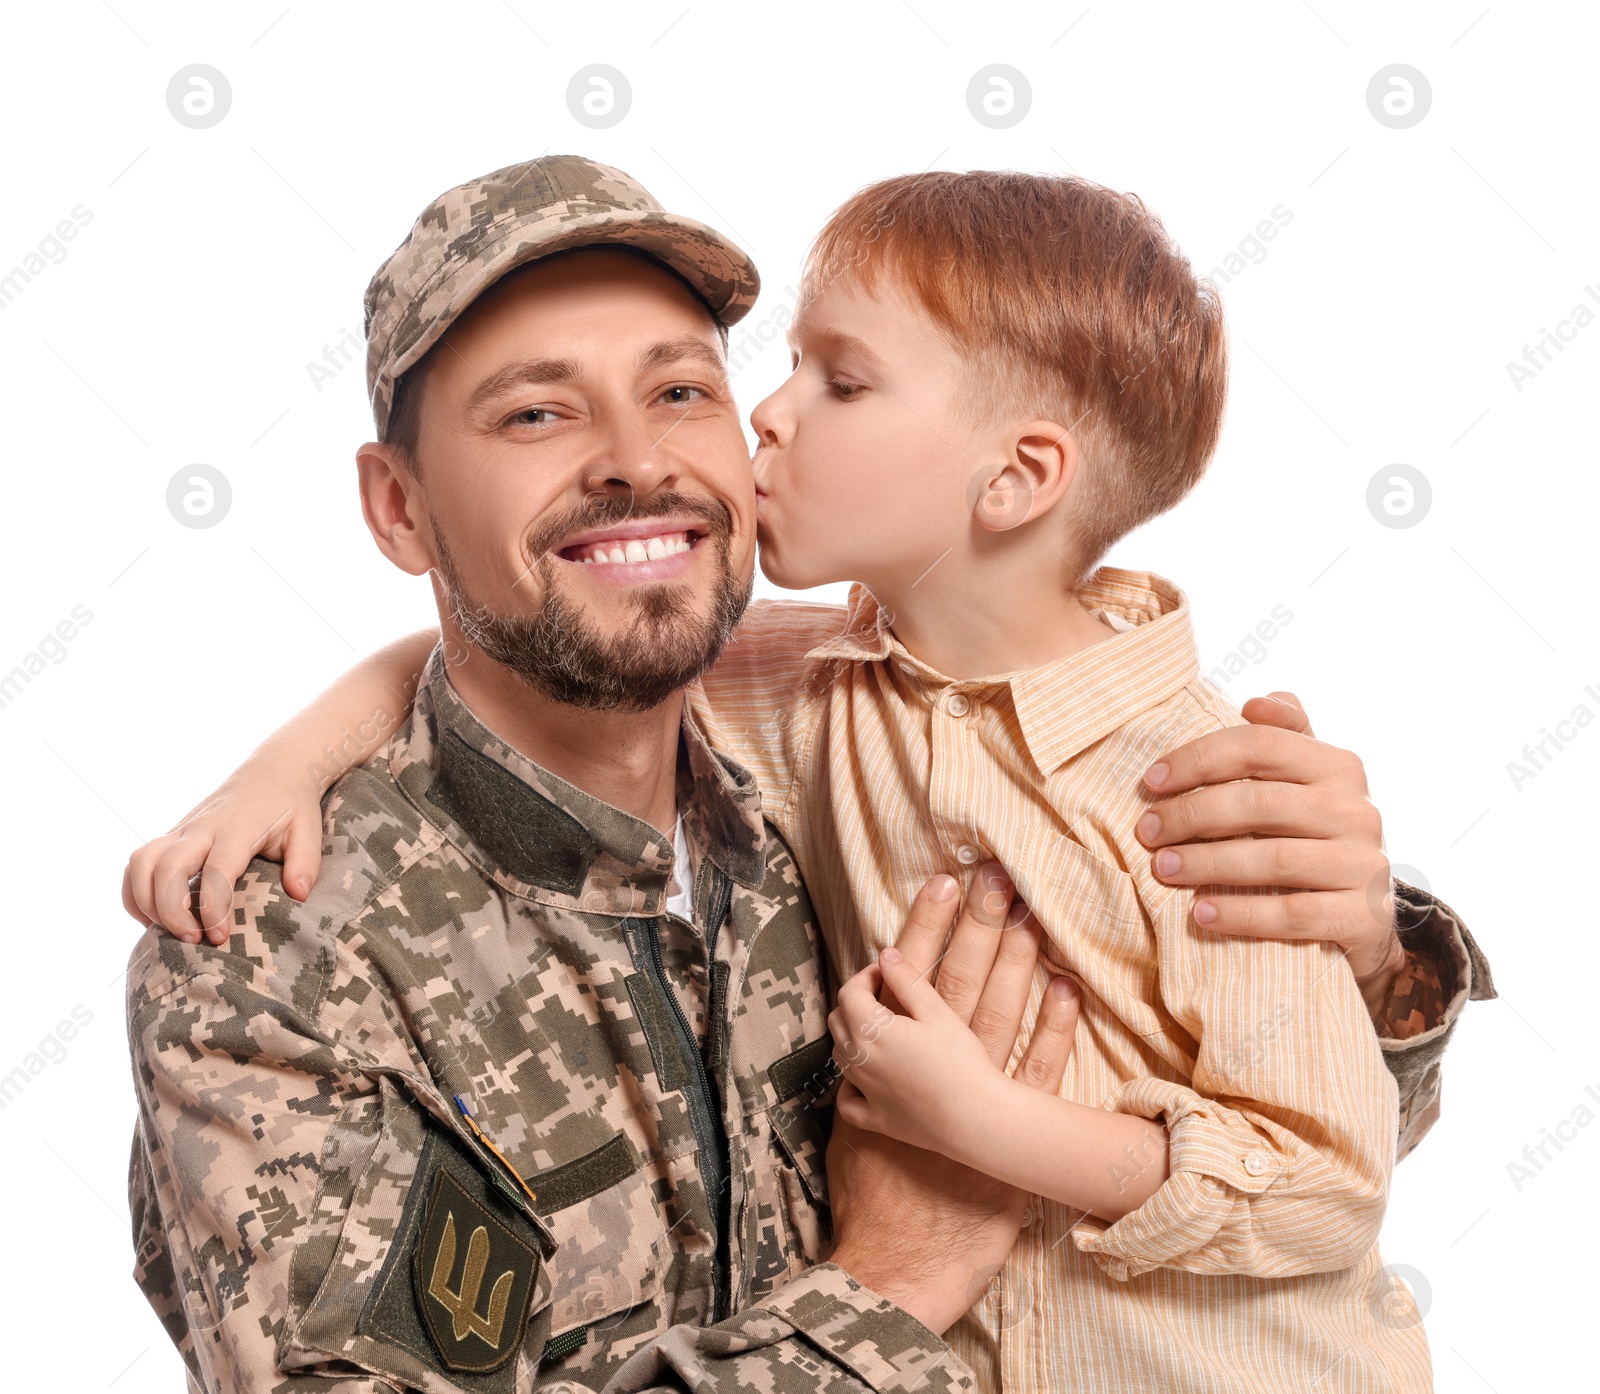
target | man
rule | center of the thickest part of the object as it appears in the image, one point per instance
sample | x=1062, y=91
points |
x=525, y=1092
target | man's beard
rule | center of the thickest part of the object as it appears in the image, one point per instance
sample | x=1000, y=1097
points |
x=571, y=660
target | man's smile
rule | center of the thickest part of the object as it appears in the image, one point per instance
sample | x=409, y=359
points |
x=653, y=549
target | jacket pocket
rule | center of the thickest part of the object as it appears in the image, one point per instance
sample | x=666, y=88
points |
x=612, y=1251
x=420, y=1269
x=804, y=1083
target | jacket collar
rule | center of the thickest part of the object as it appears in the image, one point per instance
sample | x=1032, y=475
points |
x=543, y=839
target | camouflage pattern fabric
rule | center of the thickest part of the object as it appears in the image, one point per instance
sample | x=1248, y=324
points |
x=1444, y=970
x=473, y=234
x=446, y=1126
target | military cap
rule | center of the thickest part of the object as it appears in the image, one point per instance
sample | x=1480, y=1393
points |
x=472, y=235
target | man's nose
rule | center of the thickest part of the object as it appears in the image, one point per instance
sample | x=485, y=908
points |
x=633, y=458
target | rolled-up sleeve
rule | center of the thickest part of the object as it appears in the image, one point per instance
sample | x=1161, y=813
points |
x=1444, y=970
x=1282, y=1137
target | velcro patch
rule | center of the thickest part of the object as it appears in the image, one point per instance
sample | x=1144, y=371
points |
x=474, y=1278
x=461, y=1275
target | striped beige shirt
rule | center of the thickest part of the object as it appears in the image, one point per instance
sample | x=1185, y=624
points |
x=1255, y=1266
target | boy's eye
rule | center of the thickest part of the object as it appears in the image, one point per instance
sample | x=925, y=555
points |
x=844, y=389
x=682, y=395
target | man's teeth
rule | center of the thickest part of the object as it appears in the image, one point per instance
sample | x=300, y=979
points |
x=635, y=549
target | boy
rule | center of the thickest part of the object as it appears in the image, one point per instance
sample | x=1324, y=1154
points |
x=996, y=377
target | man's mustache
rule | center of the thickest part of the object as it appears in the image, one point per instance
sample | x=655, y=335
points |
x=603, y=510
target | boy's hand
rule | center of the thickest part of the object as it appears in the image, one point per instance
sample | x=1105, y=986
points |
x=924, y=1078
x=252, y=814
x=1299, y=817
x=916, y=1227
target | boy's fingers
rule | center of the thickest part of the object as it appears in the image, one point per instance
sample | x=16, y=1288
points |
x=998, y=1015
x=170, y=879
x=1044, y=1064
x=927, y=926
x=912, y=988
x=851, y=1105
x=139, y=878
x=302, y=857
x=1280, y=709
x=129, y=903
x=858, y=998
x=212, y=896
x=975, y=941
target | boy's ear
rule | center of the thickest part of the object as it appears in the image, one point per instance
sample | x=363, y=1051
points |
x=1041, y=465
x=392, y=504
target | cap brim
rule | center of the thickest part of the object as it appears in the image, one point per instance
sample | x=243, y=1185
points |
x=716, y=269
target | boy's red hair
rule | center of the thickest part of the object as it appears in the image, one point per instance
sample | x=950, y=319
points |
x=1079, y=306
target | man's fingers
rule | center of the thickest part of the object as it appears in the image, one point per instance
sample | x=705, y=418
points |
x=1297, y=863
x=1260, y=807
x=1250, y=752
x=1338, y=916
x=1281, y=709
x=975, y=941
x=1044, y=1064
x=998, y=1015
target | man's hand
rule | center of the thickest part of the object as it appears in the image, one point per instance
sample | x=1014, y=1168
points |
x=925, y=1232
x=1299, y=817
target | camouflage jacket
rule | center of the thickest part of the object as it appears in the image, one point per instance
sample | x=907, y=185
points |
x=480, y=1115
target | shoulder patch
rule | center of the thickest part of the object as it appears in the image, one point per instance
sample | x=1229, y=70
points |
x=462, y=1275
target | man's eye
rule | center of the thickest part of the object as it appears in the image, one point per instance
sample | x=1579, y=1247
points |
x=682, y=395
x=533, y=416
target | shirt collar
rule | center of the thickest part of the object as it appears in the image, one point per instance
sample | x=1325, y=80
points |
x=544, y=839
x=1066, y=706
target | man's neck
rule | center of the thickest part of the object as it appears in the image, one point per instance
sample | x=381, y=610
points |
x=626, y=759
x=981, y=620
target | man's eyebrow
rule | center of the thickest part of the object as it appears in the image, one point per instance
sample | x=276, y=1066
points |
x=669, y=351
x=531, y=372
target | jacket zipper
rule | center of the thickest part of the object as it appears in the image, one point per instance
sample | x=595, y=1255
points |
x=703, y=1118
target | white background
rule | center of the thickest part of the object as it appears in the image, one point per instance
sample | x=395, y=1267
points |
x=1376, y=330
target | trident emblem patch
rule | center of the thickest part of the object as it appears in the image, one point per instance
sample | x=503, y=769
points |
x=475, y=1304
x=462, y=1306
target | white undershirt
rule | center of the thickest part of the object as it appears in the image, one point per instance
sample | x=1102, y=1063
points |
x=680, y=896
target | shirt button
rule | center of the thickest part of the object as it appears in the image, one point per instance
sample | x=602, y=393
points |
x=957, y=705
x=966, y=854
x=1256, y=1163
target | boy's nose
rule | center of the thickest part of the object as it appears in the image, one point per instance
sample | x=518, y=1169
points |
x=767, y=421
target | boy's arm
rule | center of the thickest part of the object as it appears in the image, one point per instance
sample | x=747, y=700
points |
x=926, y=1079
x=271, y=805
x=1283, y=1140
x=1273, y=1162
x=1267, y=804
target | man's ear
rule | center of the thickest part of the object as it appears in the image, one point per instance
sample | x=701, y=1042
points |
x=392, y=504
x=1041, y=463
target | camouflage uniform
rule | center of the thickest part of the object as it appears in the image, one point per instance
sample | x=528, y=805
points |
x=1444, y=970
x=480, y=1116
